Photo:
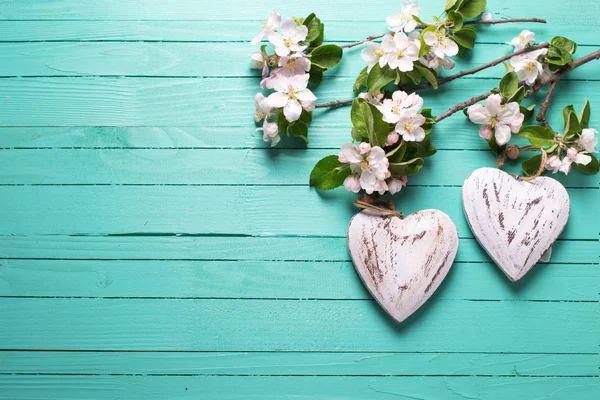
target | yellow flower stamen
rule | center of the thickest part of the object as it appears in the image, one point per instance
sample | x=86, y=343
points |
x=399, y=54
x=364, y=164
x=292, y=93
x=287, y=42
x=378, y=53
x=493, y=121
x=529, y=67
x=408, y=126
x=292, y=63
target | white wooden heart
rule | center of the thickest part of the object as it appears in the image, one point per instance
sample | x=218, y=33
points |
x=516, y=222
x=402, y=261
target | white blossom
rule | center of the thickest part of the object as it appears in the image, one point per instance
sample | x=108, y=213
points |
x=399, y=105
x=372, y=167
x=553, y=164
x=527, y=67
x=259, y=62
x=373, y=54
x=292, y=94
x=525, y=39
x=573, y=156
x=404, y=21
x=288, y=39
x=486, y=16
x=503, y=119
x=436, y=63
x=588, y=141
x=441, y=45
x=295, y=63
x=395, y=185
x=374, y=98
x=400, y=52
x=262, y=107
x=269, y=27
x=270, y=132
x=410, y=127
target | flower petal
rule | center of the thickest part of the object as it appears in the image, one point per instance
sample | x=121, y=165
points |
x=292, y=110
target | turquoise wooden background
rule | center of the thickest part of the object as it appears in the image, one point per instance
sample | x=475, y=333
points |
x=151, y=247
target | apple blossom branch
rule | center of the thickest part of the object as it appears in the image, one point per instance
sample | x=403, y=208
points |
x=476, y=22
x=543, y=82
x=541, y=116
x=450, y=78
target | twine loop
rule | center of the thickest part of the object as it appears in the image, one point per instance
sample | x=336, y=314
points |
x=367, y=202
x=539, y=172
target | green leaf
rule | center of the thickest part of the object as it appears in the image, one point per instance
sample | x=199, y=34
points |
x=361, y=80
x=414, y=75
x=456, y=19
x=306, y=117
x=584, y=115
x=563, y=43
x=315, y=76
x=396, y=155
x=424, y=47
x=356, y=136
x=465, y=37
x=527, y=112
x=329, y=173
x=538, y=136
x=359, y=115
x=299, y=129
x=282, y=123
x=518, y=96
x=314, y=27
x=565, y=113
x=591, y=168
x=509, y=84
x=381, y=129
x=532, y=166
x=423, y=148
x=379, y=77
x=326, y=56
x=428, y=74
x=572, y=127
x=450, y=4
x=472, y=8
x=409, y=167
x=558, y=57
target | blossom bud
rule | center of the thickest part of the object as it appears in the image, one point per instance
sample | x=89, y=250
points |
x=364, y=148
x=392, y=138
x=352, y=183
x=513, y=152
x=486, y=132
x=572, y=153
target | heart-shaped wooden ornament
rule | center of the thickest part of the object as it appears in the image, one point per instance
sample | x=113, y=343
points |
x=515, y=221
x=402, y=261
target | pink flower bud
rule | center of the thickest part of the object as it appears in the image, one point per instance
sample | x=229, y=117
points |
x=364, y=148
x=352, y=183
x=513, y=152
x=392, y=138
x=486, y=132
x=572, y=153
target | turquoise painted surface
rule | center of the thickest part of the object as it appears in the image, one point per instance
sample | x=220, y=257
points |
x=151, y=247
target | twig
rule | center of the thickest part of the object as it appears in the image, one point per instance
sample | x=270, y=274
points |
x=476, y=22
x=541, y=116
x=336, y=103
x=471, y=71
x=463, y=105
x=543, y=82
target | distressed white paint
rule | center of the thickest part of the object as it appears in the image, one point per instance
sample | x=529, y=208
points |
x=402, y=261
x=516, y=222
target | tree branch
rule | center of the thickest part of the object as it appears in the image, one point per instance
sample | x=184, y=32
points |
x=541, y=117
x=463, y=105
x=476, y=22
x=471, y=71
x=336, y=103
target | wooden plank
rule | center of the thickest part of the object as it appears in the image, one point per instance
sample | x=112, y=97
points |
x=296, y=325
x=275, y=280
x=223, y=31
x=258, y=10
x=181, y=102
x=288, y=388
x=232, y=248
x=298, y=364
x=242, y=210
x=205, y=166
x=186, y=60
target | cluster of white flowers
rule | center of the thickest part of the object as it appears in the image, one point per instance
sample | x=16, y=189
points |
x=403, y=110
x=527, y=66
x=288, y=76
x=369, y=167
x=400, y=49
x=577, y=154
x=498, y=119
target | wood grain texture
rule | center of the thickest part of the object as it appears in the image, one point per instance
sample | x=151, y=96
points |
x=402, y=261
x=516, y=222
x=159, y=221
